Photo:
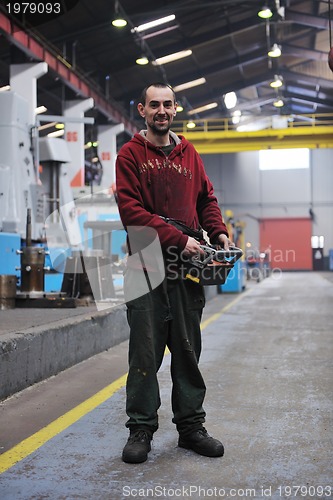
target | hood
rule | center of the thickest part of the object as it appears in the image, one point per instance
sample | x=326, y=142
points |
x=180, y=141
x=140, y=138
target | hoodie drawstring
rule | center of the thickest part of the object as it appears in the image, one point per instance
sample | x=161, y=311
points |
x=148, y=173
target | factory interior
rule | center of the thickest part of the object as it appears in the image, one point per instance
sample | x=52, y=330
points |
x=254, y=87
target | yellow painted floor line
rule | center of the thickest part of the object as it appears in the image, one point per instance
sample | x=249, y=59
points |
x=215, y=316
x=32, y=443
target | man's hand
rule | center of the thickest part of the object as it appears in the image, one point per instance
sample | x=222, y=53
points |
x=225, y=242
x=192, y=247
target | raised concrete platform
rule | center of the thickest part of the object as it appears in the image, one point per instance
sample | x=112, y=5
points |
x=38, y=343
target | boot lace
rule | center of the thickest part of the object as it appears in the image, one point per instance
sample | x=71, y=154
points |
x=203, y=432
x=140, y=436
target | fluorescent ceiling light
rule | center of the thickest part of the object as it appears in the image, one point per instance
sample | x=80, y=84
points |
x=206, y=107
x=152, y=34
x=6, y=87
x=172, y=57
x=57, y=133
x=230, y=100
x=152, y=24
x=40, y=109
x=47, y=125
x=275, y=51
x=189, y=85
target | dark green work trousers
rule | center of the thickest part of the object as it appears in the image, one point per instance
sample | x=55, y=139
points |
x=169, y=316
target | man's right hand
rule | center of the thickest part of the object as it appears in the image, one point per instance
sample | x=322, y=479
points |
x=192, y=247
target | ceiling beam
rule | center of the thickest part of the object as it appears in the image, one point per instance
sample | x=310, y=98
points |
x=305, y=78
x=68, y=75
x=309, y=20
x=304, y=53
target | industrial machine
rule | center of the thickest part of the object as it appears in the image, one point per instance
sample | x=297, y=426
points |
x=19, y=179
x=27, y=197
x=41, y=233
x=236, y=281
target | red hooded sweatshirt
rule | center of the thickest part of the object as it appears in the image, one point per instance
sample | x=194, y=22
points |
x=151, y=184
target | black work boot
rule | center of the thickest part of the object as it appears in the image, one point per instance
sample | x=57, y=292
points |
x=202, y=443
x=138, y=446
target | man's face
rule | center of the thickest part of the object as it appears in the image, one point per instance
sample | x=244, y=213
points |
x=159, y=109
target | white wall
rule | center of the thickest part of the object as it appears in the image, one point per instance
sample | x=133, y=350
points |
x=252, y=194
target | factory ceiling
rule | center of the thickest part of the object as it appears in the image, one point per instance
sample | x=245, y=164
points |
x=228, y=44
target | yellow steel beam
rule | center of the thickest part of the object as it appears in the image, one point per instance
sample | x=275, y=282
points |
x=218, y=141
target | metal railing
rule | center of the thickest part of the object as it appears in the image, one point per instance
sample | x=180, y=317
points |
x=270, y=122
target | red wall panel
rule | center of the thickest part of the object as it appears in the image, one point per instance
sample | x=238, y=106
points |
x=288, y=242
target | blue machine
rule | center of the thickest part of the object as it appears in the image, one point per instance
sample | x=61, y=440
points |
x=9, y=258
x=236, y=280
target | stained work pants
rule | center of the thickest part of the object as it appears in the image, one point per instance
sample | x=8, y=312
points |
x=169, y=316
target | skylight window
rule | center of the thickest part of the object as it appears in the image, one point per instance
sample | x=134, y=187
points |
x=284, y=159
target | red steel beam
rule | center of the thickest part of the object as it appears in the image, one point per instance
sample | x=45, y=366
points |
x=64, y=70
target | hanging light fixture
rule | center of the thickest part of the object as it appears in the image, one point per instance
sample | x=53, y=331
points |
x=265, y=12
x=142, y=60
x=118, y=20
x=278, y=103
x=275, y=51
x=190, y=124
x=277, y=82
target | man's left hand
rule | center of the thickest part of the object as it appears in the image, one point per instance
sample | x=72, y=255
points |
x=225, y=242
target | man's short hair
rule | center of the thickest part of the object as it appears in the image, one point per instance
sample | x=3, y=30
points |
x=155, y=84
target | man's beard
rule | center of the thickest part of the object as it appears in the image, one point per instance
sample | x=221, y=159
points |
x=159, y=130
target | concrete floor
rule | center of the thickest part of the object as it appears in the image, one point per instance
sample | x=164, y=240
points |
x=267, y=363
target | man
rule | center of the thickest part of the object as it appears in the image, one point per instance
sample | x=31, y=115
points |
x=160, y=176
